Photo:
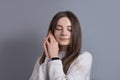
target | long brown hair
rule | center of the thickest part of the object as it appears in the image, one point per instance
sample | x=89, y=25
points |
x=75, y=46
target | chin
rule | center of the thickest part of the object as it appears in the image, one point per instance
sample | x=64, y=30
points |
x=64, y=44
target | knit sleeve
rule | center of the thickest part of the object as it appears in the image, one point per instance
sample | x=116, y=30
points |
x=39, y=71
x=35, y=72
x=79, y=70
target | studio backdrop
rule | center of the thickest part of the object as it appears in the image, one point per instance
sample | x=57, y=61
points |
x=24, y=23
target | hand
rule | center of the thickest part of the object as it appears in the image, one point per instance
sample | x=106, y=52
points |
x=51, y=46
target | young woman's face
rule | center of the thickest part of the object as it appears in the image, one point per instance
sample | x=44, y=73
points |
x=63, y=31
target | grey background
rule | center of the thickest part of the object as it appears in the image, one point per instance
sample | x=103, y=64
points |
x=24, y=23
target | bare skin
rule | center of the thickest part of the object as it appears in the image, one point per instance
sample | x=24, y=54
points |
x=61, y=39
x=51, y=46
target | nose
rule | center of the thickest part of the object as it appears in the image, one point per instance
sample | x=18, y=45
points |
x=64, y=32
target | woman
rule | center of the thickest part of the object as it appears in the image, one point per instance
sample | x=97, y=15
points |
x=62, y=58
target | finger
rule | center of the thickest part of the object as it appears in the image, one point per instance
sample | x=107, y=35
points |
x=45, y=49
x=52, y=38
x=47, y=43
x=48, y=38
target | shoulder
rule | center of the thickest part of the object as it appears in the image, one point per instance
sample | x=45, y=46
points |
x=85, y=57
x=38, y=59
x=86, y=54
x=37, y=62
x=82, y=62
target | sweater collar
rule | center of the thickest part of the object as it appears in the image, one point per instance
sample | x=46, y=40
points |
x=62, y=54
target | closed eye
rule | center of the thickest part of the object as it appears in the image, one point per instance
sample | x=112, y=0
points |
x=69, y=28
x=58, y=27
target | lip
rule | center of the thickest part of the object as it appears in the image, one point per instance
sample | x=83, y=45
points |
x=64, y=39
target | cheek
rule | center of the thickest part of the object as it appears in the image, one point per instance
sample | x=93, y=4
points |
x=56, y=34
x=69, y=34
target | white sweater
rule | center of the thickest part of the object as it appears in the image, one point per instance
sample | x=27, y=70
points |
x=53, y=70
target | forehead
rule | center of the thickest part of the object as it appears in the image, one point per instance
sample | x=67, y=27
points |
x=64, y=21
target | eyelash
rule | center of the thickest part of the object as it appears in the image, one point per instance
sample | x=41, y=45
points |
x=69, y=29
x=58, y=29
x=61, y=29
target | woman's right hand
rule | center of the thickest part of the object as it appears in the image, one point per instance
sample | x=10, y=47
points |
x=51, y=46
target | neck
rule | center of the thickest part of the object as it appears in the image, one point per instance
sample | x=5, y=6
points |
x=63, y=47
